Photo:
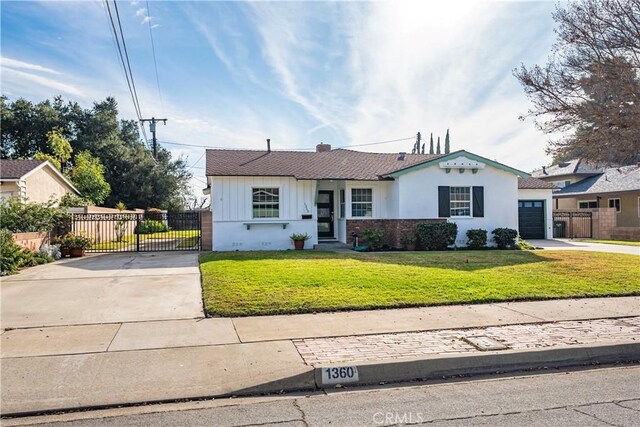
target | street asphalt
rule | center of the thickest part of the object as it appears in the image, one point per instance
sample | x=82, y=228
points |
x=596, y=397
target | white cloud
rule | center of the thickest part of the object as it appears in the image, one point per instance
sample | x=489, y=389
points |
x=16, y=78
x=14, y=63
x=141, y=12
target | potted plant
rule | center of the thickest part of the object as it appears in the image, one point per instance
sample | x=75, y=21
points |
x=409, y=241
x=299, y=239
x=65, y=251
x=77, y=243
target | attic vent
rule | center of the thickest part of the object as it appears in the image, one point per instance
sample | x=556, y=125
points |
x=401, y=155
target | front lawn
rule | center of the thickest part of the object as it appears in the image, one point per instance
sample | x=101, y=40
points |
x=188, y=238
x=253, y=283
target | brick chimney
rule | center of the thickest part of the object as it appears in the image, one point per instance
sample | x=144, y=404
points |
x=323, y=148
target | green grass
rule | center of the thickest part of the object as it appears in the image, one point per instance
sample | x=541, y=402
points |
x=187, y=235
x=254, y=283
x=189, y=242
x=612, y=242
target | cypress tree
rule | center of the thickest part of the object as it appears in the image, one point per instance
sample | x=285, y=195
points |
x=423, y=145
x=431, y=145
x=438, y=149
x=446, y=143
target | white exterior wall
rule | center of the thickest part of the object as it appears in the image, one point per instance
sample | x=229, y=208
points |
x=545, y=195
x=418, y=197
x=231, y=204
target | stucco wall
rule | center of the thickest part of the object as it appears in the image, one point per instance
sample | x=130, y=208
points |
x=44, y=184
x=418, y=197
x=9, y=189
x=547, y=196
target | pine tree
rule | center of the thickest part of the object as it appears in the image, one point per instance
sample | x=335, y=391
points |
x=431, y=145
x=446, y=143
x=438, y=149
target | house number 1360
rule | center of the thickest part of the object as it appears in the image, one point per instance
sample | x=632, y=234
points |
x=343, y=374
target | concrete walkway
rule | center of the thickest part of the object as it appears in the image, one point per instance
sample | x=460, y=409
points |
x=63, y=367
x=105, y=288
x=575, y=245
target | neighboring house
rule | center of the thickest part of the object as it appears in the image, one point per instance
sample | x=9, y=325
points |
x=259, y=198
x=591, y=188
x=33, y=181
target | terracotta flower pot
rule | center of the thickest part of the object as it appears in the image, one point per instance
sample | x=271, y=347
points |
x=65, y=252
x=77, y=252
x=298, y=244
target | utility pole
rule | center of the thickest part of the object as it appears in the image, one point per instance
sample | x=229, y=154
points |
x=152, y=127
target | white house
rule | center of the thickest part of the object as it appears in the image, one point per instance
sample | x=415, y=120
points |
x=259, y=198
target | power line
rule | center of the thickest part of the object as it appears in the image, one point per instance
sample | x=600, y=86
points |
x=127, y=73
x=297, y=149
x=155, y=62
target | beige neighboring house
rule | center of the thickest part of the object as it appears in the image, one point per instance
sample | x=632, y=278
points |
x=33, y=181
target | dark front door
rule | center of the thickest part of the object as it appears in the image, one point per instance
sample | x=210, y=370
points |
x=325, y=214
x=531, y=219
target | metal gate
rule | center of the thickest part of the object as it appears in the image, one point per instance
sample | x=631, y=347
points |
x=572, y=225
x=140, y=232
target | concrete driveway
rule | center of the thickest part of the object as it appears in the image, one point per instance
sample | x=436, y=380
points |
x=104, y=288
x=566, y=244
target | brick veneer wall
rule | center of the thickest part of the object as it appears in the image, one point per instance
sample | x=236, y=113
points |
x=206, y=230
x=394, y=229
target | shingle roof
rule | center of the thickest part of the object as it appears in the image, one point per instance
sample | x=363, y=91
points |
x=625, y=178
x=572, y=167
x=15, y=169
x=534, y=184
x=334, y=164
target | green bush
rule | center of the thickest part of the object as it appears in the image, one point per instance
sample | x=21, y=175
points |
x=437, y=236
x=477, y=238
x=20, y=217
x=373, y=238
x=149, y=226
x=10, y=253
x=504, y=237
x=524, y=245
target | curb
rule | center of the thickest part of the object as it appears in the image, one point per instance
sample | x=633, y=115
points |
x=439, y=366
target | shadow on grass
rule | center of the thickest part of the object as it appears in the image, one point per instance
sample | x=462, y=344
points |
x=450, y=260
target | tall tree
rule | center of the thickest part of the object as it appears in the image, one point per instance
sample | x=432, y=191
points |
x=446, y=143
x=438, y=149
x=134, y=176
x=431, y=145
x=88, y=177
x=59, y=147
x=589, y=90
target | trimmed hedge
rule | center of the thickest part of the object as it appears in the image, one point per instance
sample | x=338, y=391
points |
x=477, y=238
x=505, y=237
x=149, y=226
x=437, y=236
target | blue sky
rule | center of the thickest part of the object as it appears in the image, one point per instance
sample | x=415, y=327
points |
x=234, y=73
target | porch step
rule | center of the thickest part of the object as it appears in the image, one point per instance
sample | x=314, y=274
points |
x=332, y=245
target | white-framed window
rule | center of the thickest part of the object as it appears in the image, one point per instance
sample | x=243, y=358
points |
x=361, y=202
x=615, y=203
x=561, y=184
x=587, y=204
x=342, y=204
x=266, y=202
x=460, y=201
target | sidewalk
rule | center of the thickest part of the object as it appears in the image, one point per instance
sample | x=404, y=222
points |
x=68, y=367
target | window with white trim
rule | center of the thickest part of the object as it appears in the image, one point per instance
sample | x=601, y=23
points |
x=361, y=202
x=587, y=204
x=460, y=201
x=266, y=202
x=615, y=203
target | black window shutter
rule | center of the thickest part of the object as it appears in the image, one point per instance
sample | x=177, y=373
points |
x=444, y=207
x=478, y=202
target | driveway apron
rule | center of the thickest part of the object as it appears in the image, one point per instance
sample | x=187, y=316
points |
x=105, y=288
